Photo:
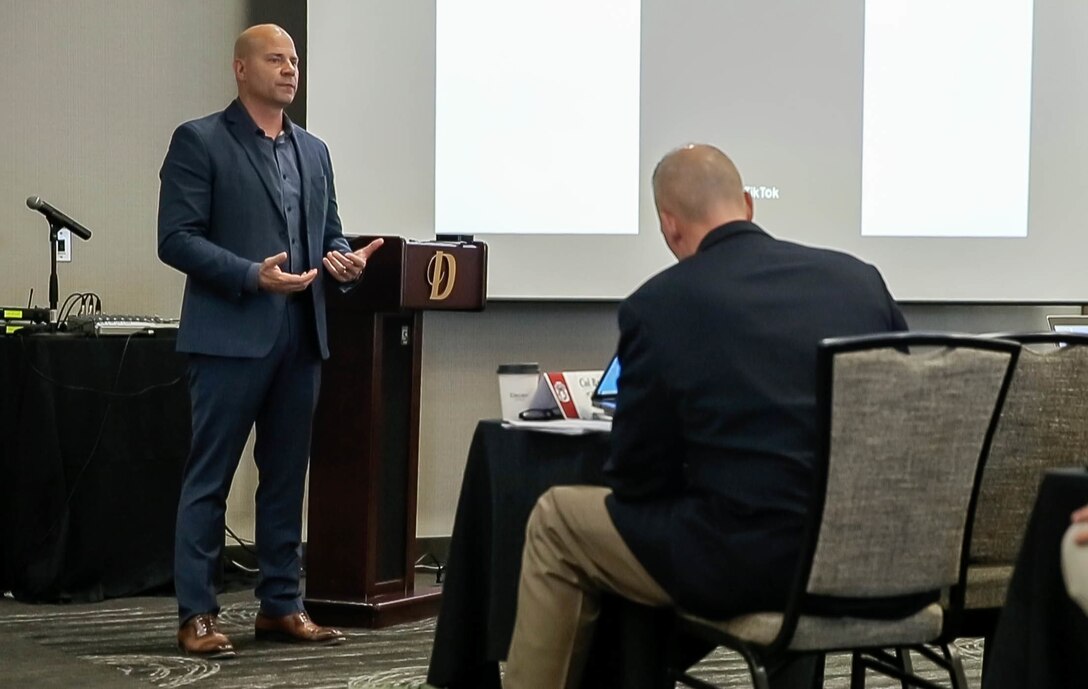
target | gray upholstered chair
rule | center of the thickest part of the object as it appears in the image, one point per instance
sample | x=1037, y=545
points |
x=905, y=437
x=1043, y=425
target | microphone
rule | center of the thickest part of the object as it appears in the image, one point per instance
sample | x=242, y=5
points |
x=55, y=217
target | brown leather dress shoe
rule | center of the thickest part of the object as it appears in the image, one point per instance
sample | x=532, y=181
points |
x=295, y=628
x=200, y=636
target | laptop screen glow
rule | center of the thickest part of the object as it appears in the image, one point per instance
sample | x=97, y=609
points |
x=609, y=384
x=1069, y=324
x=1079, y=329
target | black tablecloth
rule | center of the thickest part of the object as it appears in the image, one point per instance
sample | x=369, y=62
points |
x=95, y=435
x=507, y=470
x=1042, y=636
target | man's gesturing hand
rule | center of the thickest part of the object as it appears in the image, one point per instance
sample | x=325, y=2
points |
x=348, y=267
x=271, y=279
x=1080, y=517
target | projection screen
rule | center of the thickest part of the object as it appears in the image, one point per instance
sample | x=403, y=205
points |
x=943, y=141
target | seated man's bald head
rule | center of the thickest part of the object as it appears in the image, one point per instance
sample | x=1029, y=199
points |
x=696, y=182
x=697, y=189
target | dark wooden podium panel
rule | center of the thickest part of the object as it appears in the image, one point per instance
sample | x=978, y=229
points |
x=361, y=543
x=401, y=275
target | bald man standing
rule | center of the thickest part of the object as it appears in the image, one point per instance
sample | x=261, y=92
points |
x=247, y=210
x=715, y=433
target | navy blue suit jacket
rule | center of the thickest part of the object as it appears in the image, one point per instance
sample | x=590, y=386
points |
x=219, y=214
x=714, y=437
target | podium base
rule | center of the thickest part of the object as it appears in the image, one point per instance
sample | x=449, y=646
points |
x=376, y=611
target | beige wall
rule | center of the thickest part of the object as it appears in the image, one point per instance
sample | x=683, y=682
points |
x=92, y=90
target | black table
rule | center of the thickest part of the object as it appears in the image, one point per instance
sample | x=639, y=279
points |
x=1041, y=639
x=95, y=433
x=507, y=470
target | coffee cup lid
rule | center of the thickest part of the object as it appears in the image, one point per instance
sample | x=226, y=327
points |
x=518, y=368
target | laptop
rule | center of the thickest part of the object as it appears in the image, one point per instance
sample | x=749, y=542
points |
x=1068, y=324
x=604, y=395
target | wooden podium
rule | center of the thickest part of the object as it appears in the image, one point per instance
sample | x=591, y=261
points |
x=361, y=545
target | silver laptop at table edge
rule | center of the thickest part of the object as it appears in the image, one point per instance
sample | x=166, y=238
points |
x=604, y=395
x=1068, y=324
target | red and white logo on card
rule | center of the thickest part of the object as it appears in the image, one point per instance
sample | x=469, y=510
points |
x=558, y=384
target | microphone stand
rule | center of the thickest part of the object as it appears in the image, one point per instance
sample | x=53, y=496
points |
x=54, y=229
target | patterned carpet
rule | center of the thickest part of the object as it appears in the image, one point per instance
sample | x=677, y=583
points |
x=136, y=637
x=78, y=645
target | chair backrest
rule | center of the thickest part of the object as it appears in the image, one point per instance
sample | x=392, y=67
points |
x=907, y=433
x=1043, y=425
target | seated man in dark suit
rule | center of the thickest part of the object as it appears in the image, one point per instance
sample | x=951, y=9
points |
x=714, y=437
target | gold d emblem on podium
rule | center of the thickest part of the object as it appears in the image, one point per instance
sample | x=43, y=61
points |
x=441, y=275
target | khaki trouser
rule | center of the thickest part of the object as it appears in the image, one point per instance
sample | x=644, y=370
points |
x=572, y=554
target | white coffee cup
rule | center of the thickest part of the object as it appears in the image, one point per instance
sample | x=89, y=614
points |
x=517, y=383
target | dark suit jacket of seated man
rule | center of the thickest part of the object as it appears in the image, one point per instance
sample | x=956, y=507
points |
x=714, y=438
